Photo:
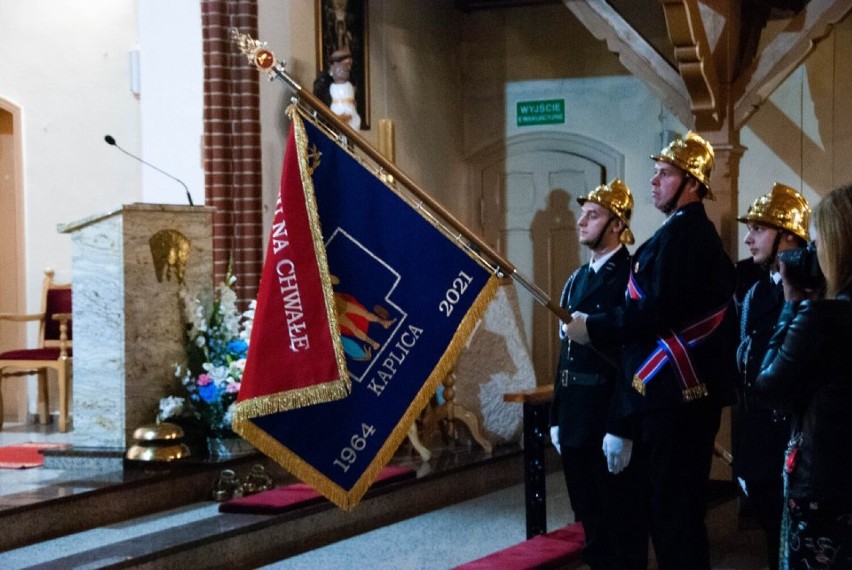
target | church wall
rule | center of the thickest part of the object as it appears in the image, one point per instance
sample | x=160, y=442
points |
x=65, y=65
x=444, y=77
x=414, y=81
x=803, y=135
x=543, y=53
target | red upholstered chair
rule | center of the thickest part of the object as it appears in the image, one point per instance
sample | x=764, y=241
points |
x=53, y=353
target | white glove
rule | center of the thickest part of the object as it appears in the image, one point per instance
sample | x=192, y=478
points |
x=554, y=438
x=617, y=451
x=576, y=330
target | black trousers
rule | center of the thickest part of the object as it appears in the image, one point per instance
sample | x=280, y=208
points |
x=679, y=451
x=610, y=507
x=766, y=497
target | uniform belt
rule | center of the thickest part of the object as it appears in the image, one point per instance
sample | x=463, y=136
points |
x=569, y=378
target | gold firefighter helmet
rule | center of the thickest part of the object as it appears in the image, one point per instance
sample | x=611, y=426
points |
x=616, y=198
x=784, y=208
x=693, y=154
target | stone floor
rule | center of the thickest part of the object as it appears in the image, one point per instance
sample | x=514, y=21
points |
x=441, y=538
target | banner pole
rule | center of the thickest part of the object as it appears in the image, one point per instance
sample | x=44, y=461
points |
x=265, y=60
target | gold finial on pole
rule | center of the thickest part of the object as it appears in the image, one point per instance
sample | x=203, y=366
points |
x=259, y=56
x=256, y=52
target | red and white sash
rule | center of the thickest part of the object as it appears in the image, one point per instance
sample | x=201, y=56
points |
x=674, y=348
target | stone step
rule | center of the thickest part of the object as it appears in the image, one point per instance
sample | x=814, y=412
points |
x=180, y=530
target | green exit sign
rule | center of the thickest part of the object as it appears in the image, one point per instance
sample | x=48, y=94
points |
x=545, y=112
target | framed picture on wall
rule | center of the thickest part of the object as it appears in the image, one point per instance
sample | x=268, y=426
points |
x=343, y=77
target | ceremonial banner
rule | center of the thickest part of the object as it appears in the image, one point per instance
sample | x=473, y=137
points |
x=296, y=358
x=405, y=297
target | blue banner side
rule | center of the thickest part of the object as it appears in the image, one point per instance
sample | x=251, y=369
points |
x=406, y=297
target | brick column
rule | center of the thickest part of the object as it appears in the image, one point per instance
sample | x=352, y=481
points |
x=232, y=157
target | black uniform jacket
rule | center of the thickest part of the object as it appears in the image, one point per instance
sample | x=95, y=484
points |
x=684, y=275
x=807, y=374
x=761, y=433
x=586, y=378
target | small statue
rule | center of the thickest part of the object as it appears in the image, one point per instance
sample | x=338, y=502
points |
x=228, y=486
x=258, y=480
x=334, y=89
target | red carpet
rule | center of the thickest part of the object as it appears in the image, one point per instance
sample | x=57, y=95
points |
x=26, y=455
x=552, y=550
x=296, y=495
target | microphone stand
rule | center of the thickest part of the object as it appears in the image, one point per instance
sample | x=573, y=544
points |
x=111, y=141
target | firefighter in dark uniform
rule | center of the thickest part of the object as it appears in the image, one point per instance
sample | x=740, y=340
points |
x=604, y=502
x=776, y=222
x=679, y=332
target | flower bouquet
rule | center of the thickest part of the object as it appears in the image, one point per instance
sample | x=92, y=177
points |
x=217, y=336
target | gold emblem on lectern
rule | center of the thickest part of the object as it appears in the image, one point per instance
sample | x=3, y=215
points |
x=170, y=251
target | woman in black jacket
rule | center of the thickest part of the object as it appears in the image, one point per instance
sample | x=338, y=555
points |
x=807, y=373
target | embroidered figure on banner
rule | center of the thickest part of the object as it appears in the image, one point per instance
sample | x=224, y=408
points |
x=354, y=320
x=364, y=333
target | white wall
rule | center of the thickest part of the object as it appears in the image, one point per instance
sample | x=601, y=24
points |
x=65, y=65
x=618, y=111
x=171, y=100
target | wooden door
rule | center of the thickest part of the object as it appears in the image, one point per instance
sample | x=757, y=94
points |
x=529, y=214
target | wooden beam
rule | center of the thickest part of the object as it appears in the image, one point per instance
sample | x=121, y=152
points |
x=635, y=54
x=695, y=61
x=783, y=54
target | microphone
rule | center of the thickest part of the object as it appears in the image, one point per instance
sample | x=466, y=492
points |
x=111, y=141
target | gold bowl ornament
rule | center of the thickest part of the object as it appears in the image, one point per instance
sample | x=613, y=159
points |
x=782, y=207
x=693, y=154
x=158, y=442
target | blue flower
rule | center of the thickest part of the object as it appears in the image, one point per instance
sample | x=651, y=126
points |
x=216, y=348
x=209, y=393
x=237, y=348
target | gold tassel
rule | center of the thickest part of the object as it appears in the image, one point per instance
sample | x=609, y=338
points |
x=638, y=385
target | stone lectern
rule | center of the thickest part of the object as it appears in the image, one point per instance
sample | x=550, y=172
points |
x=128, y=267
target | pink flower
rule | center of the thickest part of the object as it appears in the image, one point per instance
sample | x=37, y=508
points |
x=204, y=379
x=233, y=388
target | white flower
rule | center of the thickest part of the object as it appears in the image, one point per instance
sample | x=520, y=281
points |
x=238, y=367
x=170, y=407
x=212, y=374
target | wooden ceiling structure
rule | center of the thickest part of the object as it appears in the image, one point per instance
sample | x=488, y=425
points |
x=713, y=63
x=719, y=69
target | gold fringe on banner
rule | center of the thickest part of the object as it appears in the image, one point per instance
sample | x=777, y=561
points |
x=274, y=403
x=306, y=170
x=327, y=391
x=445, y=366
x=348, y=500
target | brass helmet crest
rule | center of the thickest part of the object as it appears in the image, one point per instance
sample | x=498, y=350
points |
x=782, y=207
x=616, y=198
x=693, y=154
